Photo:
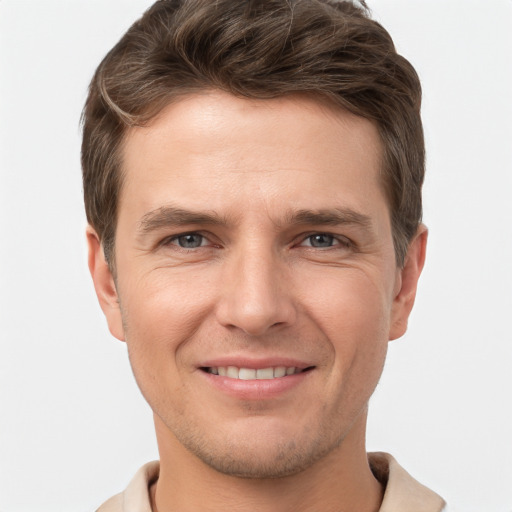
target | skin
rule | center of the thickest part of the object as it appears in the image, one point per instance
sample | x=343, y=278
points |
x=290, y=256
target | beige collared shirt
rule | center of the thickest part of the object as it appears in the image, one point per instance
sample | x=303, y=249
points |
x=403, y=493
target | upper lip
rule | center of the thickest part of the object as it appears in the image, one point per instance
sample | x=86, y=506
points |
x=255, y=363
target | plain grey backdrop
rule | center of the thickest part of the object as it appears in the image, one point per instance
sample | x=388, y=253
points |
x=73, y=426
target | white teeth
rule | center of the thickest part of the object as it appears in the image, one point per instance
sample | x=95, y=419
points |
x=265, y=373
x=233, y=372
x=280, y=371
x=247, y=374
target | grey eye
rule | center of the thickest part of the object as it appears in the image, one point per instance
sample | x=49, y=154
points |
x=191, y=241
x=321, y=240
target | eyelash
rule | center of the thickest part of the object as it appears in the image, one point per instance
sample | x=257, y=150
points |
x=341, y=241
x=175, y=238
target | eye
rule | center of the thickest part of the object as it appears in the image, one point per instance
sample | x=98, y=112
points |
x=321, y=240
x=189, y=241
x=324, y=241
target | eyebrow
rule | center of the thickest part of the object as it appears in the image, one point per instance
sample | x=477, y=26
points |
x=330, y=217
x=172, y=216
x=167, y=216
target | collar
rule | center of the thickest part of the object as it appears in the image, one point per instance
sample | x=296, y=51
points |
x=402, y=492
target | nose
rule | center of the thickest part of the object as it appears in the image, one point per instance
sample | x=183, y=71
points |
x=255, y=295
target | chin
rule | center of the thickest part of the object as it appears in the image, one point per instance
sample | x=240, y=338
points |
x=265, y=455
x=285, y=460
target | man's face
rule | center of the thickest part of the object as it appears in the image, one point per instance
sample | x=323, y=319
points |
x=256, y=277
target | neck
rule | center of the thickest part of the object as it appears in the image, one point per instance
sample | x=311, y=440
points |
x=340, y=482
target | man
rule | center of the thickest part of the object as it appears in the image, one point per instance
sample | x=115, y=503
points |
x=252, y=181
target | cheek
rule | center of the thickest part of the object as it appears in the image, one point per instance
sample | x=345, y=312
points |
x=349, y=303
x=165, y=301
x=160, y=314
x=353, y=312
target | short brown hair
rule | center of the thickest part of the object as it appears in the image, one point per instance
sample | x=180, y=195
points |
x=255, y=49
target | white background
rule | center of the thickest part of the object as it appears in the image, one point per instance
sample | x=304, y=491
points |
x=73, y=426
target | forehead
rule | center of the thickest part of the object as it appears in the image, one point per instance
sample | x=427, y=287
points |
x=215, y=146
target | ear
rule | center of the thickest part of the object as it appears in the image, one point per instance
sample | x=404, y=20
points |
x=407, y=282
x=104, y=284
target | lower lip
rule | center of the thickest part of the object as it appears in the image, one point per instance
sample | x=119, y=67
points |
x=256, y=389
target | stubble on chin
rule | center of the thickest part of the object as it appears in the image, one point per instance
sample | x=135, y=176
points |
x=256, y=458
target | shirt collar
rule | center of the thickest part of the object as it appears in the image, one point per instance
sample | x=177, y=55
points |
x=402, y=492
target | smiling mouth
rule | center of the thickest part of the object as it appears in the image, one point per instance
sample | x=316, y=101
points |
x=233, y=372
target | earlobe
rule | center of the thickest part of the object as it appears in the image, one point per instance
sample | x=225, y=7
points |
x=104, y=284
x=407, y=282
